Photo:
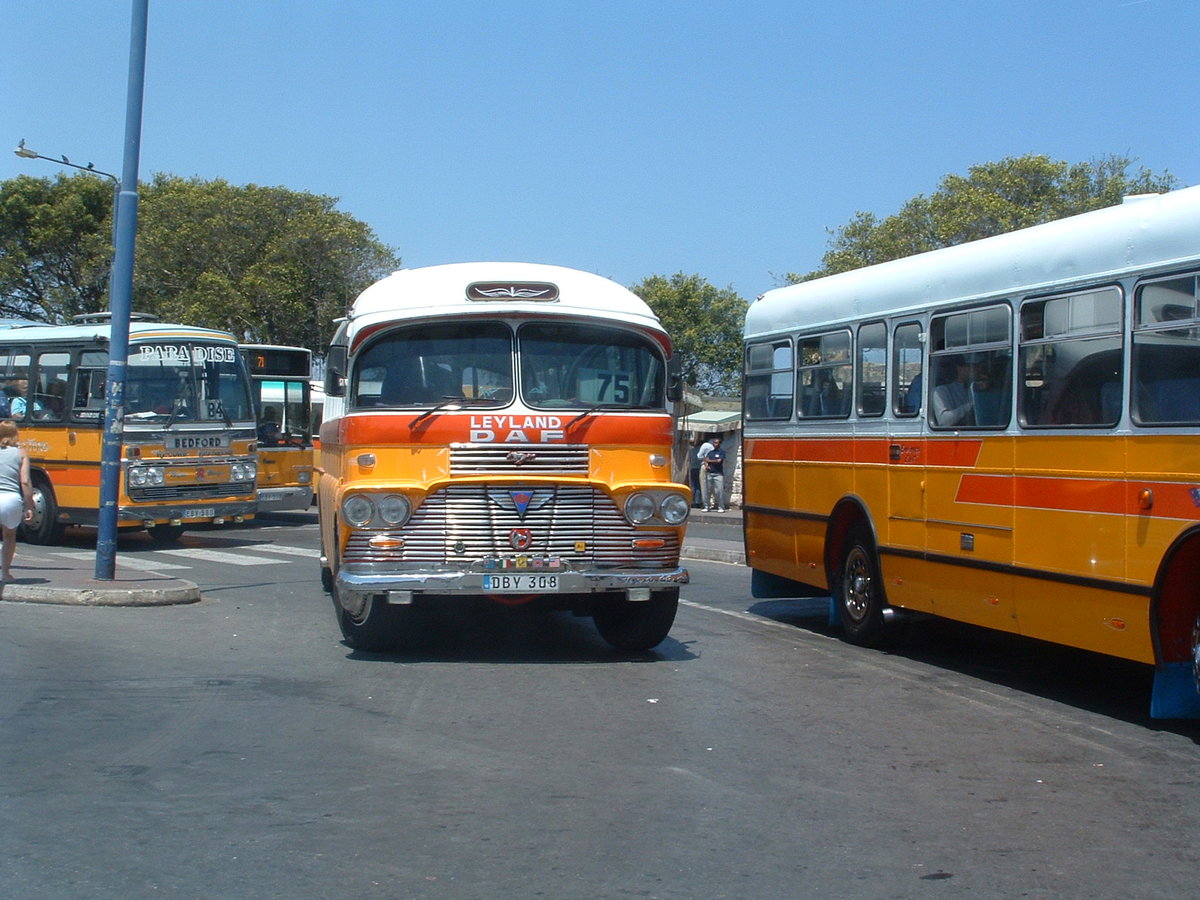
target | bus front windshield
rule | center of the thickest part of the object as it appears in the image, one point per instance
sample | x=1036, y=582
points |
x=563, y=365
x=570, y=365
x=186, y=382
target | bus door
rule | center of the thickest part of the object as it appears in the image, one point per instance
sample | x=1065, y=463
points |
x=969, y=485
x=902, y=544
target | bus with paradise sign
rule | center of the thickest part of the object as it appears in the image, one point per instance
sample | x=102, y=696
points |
x=188, y=438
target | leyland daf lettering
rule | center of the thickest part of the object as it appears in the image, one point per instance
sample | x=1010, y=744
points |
x=517, y=429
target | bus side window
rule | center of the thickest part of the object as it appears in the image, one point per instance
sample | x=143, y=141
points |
x=906, y=376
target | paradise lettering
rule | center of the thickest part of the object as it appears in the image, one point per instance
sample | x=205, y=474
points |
x=183, y=354
x=517, y=429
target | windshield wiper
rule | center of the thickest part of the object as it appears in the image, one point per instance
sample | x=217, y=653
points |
x=455, y=403
x=599, y=406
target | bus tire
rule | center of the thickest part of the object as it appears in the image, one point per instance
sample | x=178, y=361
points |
x=858, y=590
x=43, y=527
x=378, y=626
x=165, y=534
x=327, y=579
x=637, y=624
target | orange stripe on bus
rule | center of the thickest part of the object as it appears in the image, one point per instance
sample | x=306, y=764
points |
x=1165, y=500
x=912, y=452
x=484, y=426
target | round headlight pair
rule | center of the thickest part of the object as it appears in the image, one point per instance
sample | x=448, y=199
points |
x=641, y=507
x=386, y=511
x=243, y=471
x=145, y=476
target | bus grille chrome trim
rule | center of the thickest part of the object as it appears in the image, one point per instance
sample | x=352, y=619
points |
x=538, y=459
x=190, y=492
x=461, y=525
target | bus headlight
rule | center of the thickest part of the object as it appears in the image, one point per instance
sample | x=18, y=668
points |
x=674, y=509
x=145, y=476
x=243, y=471
x=357, y=510
x=639, y=508
x=394, y=509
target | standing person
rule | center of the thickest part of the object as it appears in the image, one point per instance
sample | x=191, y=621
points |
x=701, y=474
x=696, y=478
x=714, y=474
x=16, y=494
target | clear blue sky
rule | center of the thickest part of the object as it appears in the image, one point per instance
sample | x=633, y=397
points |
x=625, y=137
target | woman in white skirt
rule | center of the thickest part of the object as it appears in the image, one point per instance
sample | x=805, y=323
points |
x=16, y=494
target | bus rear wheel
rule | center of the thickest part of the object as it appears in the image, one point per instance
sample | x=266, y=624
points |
x=858, y=590
x=637, y=624
x=43, y=527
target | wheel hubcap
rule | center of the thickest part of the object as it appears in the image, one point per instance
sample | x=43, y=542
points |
x=857, y=585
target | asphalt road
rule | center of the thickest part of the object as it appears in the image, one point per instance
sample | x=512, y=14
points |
x=237, y=748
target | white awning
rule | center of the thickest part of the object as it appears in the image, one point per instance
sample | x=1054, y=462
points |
x=718, y=419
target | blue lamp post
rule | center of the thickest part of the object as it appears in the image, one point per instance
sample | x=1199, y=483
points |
x=121, y=301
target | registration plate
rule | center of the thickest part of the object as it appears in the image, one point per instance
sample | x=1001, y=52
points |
x=199, y=512
x=520, y=584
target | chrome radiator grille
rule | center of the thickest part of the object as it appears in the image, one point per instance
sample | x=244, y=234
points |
x=163, y=493
x=465, y=523
x=540, y=459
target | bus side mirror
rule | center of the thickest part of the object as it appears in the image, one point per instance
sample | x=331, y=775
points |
x=674, y=379
x=335, y=371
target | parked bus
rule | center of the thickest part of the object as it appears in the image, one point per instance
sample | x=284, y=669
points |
x=500, y=430
x=279, y=382
x=188, y=435
x=1005, y=432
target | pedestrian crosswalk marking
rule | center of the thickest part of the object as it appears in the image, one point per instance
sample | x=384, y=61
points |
x=230, y=559
x=286, y=550
x=123, y=559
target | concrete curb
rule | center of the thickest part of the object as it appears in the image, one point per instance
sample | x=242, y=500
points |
x=100, y=593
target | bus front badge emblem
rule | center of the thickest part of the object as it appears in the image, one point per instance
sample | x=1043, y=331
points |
x=520, y=538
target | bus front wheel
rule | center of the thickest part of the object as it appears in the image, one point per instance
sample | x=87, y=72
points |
x=637, y=624
x=43, y=526
x=859, y=590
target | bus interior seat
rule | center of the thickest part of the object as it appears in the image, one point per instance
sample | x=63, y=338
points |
x=991, y=407
x=1170, y=400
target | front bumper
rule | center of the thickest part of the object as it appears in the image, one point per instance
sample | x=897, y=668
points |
x=198, y=512
x=354, y=588
x=275, y=498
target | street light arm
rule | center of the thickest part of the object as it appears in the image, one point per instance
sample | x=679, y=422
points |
x=26, y=153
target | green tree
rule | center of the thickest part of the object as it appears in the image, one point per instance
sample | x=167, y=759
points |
x=705, y=324
x=55, y=246
x=266, y=263
x=992, y=198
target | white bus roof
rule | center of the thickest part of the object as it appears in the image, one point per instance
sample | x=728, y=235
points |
x=1146, y=233
x=500, y=289
x=138, y=331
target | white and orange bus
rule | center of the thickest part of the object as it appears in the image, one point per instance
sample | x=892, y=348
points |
x=187, y=453
x=1005, y=432
x=500, y=430
x=279, y=382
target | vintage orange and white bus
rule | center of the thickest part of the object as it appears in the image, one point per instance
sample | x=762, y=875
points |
x=279, y=383
x=188, y=432
x=500, y=430
x=1005, y=432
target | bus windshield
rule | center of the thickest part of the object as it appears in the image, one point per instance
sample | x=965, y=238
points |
x=429, y=365
x=186, y=382
x=563, y=365
x=567, y=365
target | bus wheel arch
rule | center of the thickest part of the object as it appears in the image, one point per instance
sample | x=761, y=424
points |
x=1175, y=604
x=855, y=579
